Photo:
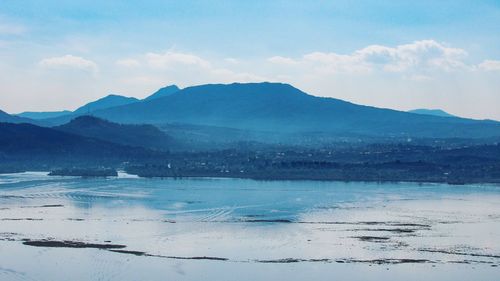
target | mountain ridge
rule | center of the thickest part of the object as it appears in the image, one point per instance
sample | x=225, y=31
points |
x=282, y=107
x=163, y=92
x=142, y=135
x=105, y=102
x=38, y=115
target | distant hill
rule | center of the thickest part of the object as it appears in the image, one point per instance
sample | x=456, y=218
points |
x=33, y=145
x=61, y=117
x=5, y=117
x=43, y=115
x=102, y=103
x=277, y=107
x=106, y=102
x=163, y=92
x=134, y=135
x=433, y=112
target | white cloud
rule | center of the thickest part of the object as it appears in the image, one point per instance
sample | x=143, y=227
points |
x=490, y=65
x=185, y=68
x=419, y=56
x=228, y=76
x=282, y=60
x=334, y=63
x=170, y=59
x=128, y=63
x=69, y=61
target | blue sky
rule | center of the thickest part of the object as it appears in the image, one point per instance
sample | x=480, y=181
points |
x=397, y=54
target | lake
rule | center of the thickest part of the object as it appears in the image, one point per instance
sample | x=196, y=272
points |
x=128, y=228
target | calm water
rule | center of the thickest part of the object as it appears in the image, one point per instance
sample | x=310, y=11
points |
x=233, y=229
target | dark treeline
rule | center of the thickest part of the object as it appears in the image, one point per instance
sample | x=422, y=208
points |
x=369, y=163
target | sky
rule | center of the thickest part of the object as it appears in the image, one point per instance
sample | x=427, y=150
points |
x=57, y=55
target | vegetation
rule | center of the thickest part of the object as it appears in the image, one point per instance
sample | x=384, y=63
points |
x=147, y=136
x=29, y=147
x=371, y=163
x=85, y=172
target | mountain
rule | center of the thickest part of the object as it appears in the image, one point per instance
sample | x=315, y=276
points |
x=106, y=102
x=163, y=92
x=434, y=112
x=60, y=117
x=133, y=135
x=43, y=115
x=5, y=117
x=33, y=145
x=281, y=108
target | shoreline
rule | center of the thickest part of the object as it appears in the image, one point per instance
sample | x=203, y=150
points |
x=495, y=183
x=121, y=174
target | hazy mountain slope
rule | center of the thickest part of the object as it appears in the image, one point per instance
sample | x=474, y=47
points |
x=434, y=112
x=102, y=103
x=163, y=92
x=134, y=135
x=5, y=117
x=283, y=108
x=106, y=102
x=42, y=115
x=33, y=144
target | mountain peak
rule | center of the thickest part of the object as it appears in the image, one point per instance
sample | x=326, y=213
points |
x=254, y=88
x=110, y=100
x=113, y=96
x=434, y=112
x=87, y=120
x=163, y=92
